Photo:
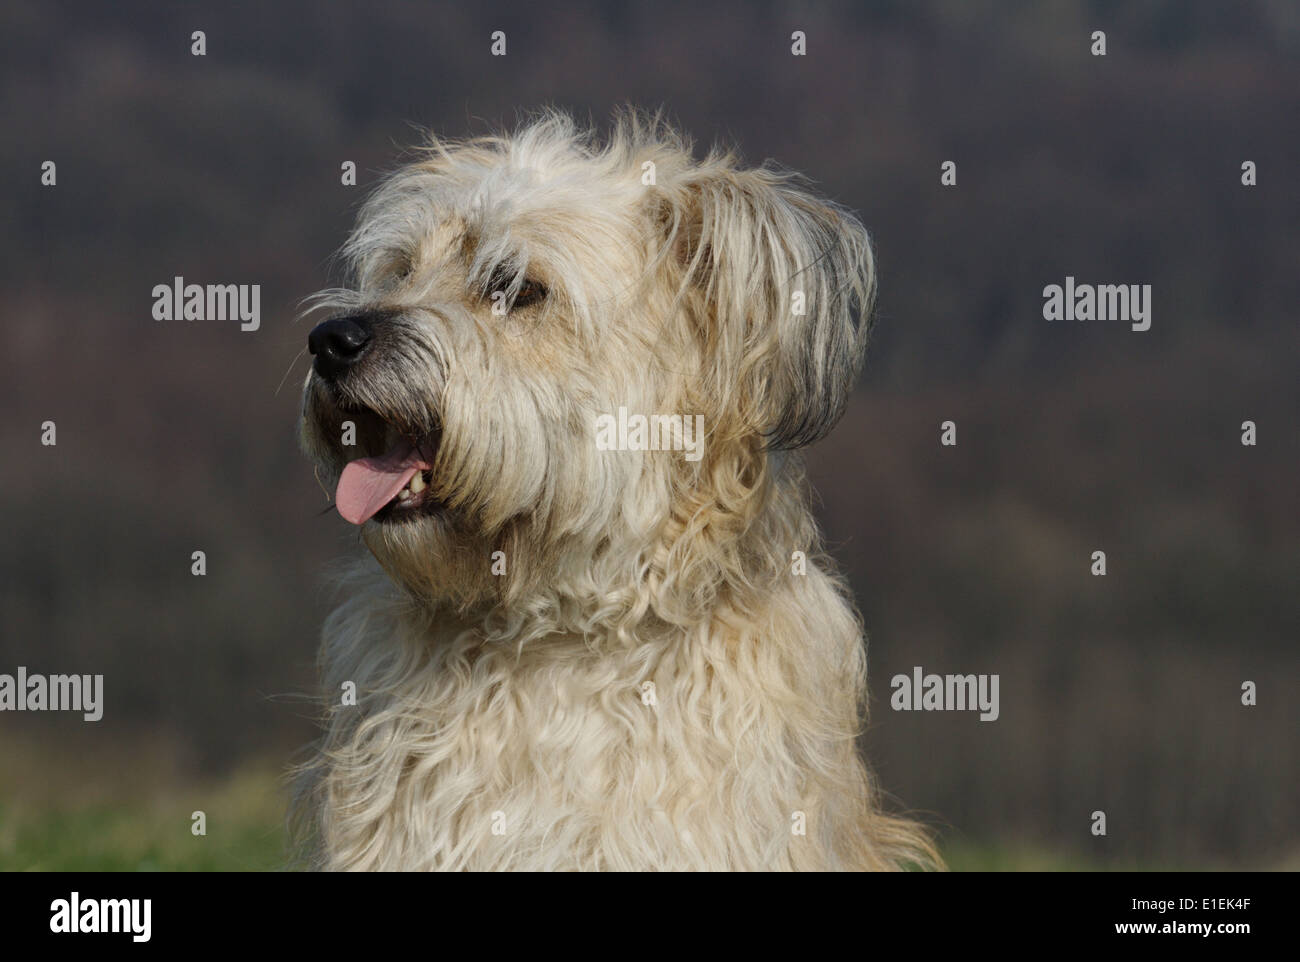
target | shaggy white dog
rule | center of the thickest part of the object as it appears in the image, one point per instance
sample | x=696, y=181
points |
x=585, y=638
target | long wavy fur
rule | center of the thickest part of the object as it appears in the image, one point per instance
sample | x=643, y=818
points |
x=654, y=682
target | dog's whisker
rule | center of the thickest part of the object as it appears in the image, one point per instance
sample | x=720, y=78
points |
x=284, y=377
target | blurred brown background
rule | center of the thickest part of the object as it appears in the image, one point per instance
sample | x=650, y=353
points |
x=1119, y=693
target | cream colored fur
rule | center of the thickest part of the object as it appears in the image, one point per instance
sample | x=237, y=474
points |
x=653, y=682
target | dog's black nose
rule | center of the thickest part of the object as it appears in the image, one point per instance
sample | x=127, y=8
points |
x=338, y=344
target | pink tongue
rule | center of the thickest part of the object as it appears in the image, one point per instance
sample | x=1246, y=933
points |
x=368, y=484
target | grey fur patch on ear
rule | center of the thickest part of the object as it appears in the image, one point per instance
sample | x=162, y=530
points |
x=823, y=350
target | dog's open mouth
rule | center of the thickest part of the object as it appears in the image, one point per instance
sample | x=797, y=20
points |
x=393, y=486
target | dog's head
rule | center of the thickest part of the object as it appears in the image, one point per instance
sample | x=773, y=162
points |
x=518, y=302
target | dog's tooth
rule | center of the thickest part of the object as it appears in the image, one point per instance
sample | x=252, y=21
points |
x=416, y=484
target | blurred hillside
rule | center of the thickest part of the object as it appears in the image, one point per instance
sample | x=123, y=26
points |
x=1120, y=693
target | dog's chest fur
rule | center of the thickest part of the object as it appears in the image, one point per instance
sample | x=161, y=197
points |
x=669, y=749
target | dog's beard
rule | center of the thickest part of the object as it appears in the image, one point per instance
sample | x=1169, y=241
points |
x=433, y=557
x=390, y=484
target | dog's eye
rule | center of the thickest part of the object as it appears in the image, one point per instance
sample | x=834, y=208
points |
x=530, y=292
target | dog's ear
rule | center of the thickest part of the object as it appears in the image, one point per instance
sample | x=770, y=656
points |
x=783, y=283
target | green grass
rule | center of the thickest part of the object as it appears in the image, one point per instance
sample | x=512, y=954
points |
x=93, y=812
x=245, y=832
x=982, y=857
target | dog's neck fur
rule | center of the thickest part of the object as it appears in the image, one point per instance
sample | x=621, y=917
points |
x=653, y=737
